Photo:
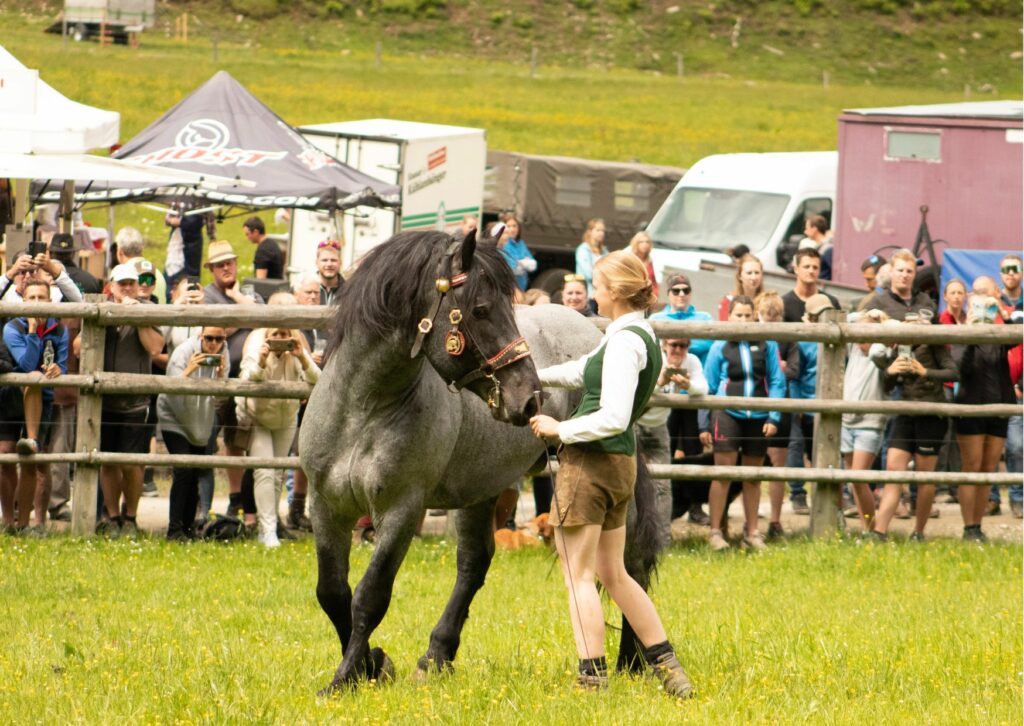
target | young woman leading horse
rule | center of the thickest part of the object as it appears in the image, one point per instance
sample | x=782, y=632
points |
x=388, y=433
x=598, y=467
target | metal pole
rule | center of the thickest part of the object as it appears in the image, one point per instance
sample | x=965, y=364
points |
x=825, y=516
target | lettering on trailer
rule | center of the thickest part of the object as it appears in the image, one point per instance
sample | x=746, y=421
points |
x=436, y=158
x=288, y=200
x=205, y=141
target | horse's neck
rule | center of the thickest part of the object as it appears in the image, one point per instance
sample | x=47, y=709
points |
x=375, y=368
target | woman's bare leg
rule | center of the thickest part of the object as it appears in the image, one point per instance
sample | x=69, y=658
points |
x=751, y=497
x=925, y=492
x=577, y=551
x=862, y=494
x=776, y=489
x=972, y=449
x=635, y=604
x=896, y=460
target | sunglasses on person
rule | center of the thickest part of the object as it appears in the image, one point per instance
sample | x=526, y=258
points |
x=332, y=243
x=147, y=280
x=214, y=338
x=677, y=346
x=574, y=277
x=1010, y=269
x=681, y=290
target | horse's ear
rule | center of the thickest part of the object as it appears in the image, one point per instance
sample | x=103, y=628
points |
x=467, y=249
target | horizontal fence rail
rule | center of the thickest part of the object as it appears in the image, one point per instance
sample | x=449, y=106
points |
x=136, y=383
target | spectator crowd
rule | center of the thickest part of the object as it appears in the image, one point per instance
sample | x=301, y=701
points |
x=42, y=419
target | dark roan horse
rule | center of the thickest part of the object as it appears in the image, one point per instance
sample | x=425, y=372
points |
x=423, y=404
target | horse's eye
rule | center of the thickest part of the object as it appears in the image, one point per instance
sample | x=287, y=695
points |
x=480, y=312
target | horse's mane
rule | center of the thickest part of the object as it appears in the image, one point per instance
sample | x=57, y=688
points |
x=383, y=293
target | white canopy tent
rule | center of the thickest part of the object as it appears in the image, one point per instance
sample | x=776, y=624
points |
x=36, y=119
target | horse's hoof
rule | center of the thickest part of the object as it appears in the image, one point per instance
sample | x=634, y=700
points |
x=428, y=666
x=382, y=668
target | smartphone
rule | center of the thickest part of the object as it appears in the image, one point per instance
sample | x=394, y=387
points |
x=670, y=371
x=905, y=351
x=277, y=345
x=36, y=248
x=211, y=361
x=193, y=284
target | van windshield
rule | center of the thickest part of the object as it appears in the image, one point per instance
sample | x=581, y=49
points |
x=716, y=219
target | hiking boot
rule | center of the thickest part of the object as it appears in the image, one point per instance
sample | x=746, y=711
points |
x=673, y=678
x=61, y=513
x=129, y=528
x=299, y=520
x=991, y=509
x=717, y=542
x=775, y=531
x=880, y=537
x=283, y=533
x=697, y=515
x=974, y=534
x=917, y=537
x=27, y=447
x=1017, y=510
x=589, y=682
x=36, y=532
x=799, y=503
x=149, y=489
x=754, y=542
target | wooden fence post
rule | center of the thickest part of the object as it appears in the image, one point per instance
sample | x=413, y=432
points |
x=825, y=514
x=87, y=440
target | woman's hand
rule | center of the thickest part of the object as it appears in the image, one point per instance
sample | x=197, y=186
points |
x=51, y=371
x=193, y=364
x=770, y=429
x=264, y=353
x=544, y=427
x=705, y=439
x=682, y=381
x=899, y=366
x=916, y=367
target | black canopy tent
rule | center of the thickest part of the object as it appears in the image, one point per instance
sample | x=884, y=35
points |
x=222, y=129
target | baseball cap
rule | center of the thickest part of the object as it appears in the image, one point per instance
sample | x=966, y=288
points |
x=123, y=273
x=677, y=279
x=817, y=304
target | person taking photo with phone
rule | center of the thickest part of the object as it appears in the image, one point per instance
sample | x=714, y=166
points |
x=274, y=354
x=187, y=421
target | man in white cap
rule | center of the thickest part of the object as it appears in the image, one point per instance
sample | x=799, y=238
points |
x=123, y=429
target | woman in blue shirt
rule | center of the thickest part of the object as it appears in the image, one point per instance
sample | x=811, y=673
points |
x=590, y=250
x=748, y=369
x=515, y=252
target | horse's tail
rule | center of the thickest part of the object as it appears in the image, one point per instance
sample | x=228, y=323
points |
x=645, y=542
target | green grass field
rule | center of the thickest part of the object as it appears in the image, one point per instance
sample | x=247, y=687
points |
x=146, y=632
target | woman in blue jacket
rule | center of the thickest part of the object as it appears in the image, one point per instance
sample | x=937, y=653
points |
x=750, y=369
x=515, y=252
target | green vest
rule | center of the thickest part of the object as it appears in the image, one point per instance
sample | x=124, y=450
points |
x=624, y=443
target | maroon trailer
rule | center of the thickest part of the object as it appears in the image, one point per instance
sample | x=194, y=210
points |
x=961, y=160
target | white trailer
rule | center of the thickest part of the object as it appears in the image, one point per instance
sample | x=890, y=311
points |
x=440, y=170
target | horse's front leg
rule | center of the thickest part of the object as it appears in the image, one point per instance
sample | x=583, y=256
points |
x=475, y=550
x=373, y=595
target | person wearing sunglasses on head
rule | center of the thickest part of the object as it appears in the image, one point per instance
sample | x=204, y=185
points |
x=679, y=309
x=328, y=269
x=574, y=294
x=187, y=421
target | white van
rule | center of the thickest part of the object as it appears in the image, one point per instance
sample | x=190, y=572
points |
x=440, y=170
x=757, y=200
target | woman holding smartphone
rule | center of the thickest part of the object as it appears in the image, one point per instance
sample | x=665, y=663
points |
x=275, y=354
x=186, y=422
x=598, y=472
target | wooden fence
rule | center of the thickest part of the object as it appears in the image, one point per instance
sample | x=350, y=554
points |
x=832, y=334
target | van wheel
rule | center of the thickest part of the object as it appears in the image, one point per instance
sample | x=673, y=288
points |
x=550, y=281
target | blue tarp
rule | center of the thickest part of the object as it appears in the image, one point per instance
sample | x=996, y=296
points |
x=966, y=265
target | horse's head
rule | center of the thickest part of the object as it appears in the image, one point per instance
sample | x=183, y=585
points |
x=471, y=338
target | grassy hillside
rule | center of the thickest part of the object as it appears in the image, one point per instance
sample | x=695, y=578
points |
x=605, y=85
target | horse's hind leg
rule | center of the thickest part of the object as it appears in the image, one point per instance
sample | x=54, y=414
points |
x=475, y=550
x=333, y=533
x=372, y=597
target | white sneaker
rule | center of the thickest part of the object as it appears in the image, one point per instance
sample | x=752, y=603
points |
x=270, y=540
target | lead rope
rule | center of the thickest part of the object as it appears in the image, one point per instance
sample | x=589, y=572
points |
x=538, y=397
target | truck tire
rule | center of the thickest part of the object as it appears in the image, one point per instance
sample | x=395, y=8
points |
x=550, y=281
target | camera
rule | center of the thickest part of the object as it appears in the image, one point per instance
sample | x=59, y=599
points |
x=193, y=284
x=210, y=361
x=278, y=345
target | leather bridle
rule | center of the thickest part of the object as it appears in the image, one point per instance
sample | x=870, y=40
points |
x=455, y=339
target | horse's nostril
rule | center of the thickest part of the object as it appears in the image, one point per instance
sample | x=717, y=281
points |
x=531, y=408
